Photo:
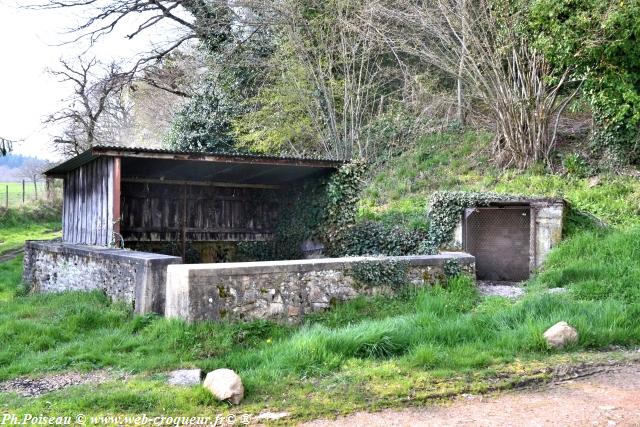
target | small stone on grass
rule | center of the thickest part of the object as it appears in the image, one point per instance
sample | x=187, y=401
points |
x=560, y=334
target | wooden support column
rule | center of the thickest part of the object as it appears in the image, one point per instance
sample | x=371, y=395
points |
x=117, y=175
x=184, y=223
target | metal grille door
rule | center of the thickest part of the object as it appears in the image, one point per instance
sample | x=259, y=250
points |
x=499, y=239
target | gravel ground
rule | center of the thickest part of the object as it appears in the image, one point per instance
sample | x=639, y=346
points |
x=605, y=399
x=504, y=289
x=33, y=387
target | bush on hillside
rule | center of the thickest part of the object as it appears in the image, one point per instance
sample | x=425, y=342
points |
x=375, y=238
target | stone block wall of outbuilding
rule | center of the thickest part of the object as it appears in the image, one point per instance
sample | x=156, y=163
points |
x=137, y=278
x=284, y=290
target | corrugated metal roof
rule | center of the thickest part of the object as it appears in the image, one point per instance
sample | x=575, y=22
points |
x=140, y=152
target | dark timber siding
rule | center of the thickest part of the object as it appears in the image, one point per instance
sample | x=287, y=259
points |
x=88, y=203
x=163, y=212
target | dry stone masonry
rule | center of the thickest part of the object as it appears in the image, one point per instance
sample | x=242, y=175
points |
x=283, y=290
x=133, y=277
x=278, y=290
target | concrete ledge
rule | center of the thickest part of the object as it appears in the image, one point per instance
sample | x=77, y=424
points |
x=283, y=290
x=55, y=246
x=134, y=277
x=319, y=264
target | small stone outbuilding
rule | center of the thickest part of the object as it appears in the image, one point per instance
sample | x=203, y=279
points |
x=511, y=238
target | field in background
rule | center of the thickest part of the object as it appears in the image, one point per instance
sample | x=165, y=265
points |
x=35, y=221
x=13, y=194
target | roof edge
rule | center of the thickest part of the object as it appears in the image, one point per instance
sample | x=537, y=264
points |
x=92, y=153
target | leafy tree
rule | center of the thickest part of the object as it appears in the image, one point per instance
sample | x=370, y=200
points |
x=204, y=122
x=599, y=40
x=277, y=119
x=235, y=51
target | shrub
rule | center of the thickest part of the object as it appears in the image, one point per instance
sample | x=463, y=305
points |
x=374, y=238
x=380, y=272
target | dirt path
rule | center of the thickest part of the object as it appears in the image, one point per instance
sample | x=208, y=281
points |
x=8, y=256
x=606, y=399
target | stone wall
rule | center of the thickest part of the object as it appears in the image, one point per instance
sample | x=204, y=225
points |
x=547, y=233
x=134, y=277
x=282, y=290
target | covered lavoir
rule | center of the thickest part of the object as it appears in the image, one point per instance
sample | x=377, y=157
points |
x=194, y=205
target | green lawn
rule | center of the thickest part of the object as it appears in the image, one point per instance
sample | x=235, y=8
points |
x=35, y=222
x=31, y=193
x=421, y=344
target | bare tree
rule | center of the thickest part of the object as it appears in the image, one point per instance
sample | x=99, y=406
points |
x=478, y=43
x=343, y=59
x=96, y=102
x=203, y=20
x=33, y=170
x=6, y=145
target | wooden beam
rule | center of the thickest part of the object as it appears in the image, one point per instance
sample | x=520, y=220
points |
x=200, y=183
x=117, y=174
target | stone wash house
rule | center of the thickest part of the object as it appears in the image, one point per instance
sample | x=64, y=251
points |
x=160, y=230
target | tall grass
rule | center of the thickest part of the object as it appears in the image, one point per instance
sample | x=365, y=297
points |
x=596, y=265
x=441, y=329
x=434, y=328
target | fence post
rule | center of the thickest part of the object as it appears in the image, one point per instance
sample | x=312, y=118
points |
x=23, y=191
x=35, y=188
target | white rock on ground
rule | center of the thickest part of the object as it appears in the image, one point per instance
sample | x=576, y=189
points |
x=225, y=384
x=560, y=334
x=185, y=377
x=271, y=416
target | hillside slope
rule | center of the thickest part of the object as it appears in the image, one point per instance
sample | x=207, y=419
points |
x=399, y=190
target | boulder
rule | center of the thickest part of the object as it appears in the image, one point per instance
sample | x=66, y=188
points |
x=185, y=377
x=225, y=384
x=560, y=334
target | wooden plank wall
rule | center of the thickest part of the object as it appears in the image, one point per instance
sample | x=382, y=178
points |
x=155, y=212
x=88, y=203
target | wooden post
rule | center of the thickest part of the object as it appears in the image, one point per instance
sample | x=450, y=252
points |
x=23, y=191
x=184, y=222
x=116, y=196
x=35, y=187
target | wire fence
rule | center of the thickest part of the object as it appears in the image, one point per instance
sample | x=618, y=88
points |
x=15, y=194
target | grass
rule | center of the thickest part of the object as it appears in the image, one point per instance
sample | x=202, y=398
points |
x=424, y=344
x=371, y=352
x=31, y=222
x=399, y=191
x=15, y=193
x=596, y=265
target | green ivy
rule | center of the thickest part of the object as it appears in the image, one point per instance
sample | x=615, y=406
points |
x=316, y=209
x=444, y=214
x=376, y=238
x=383, y=272
x=343, y=193
x=451, y=268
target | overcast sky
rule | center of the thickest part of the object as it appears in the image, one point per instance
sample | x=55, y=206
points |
x=29, y=44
